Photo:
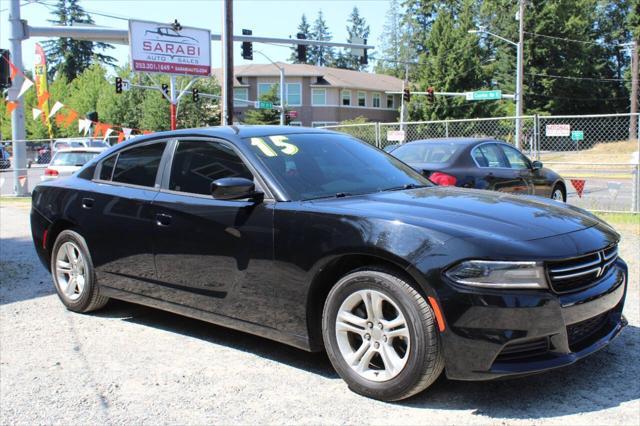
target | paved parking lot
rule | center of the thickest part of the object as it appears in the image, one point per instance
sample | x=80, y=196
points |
x=132, y=365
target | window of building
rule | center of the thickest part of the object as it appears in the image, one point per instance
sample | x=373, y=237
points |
x=362, y=99
x=264, y=88
x=241, y=93
x=375, y=98
x=139, y=166
x=294, y=94
x=346, y=97
x=197, y=163
x=318, y=96
x=389, y=101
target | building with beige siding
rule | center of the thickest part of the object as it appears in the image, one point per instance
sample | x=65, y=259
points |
x=320, y=95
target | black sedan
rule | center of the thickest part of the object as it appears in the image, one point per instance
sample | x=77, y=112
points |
x=482, y=164
x=318, y=240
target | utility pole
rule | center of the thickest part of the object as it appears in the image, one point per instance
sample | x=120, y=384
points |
x=227, y=63
x=20, y=179
x=405, y=84
x=633, y=130
x=173, y=101
x=519, y=74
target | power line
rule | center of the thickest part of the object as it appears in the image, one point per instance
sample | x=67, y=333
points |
x=615, y=80
x=572, y=40
x=537, y=95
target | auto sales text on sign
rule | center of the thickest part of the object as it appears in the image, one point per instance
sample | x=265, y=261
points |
x=160, y=48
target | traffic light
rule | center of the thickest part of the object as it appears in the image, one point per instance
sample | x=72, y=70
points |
x=287, y=118
x=247, y=47
x=118, y=84
x=195, y=94
x=406, y=95
x=165, y=89
x=5, y=69
x=301, y=49
x=430, y=95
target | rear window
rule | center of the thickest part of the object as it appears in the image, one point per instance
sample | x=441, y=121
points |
x=97, y=144
x=139, y=166
x=431, y=152
x=72, y=158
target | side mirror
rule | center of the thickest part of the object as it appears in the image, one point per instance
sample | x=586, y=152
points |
x=536, y=165
x=235, y=188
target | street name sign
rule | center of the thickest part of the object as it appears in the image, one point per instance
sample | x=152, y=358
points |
x=484, y=95
x=160, y=48
x=263, y=105
x=558, y=130
x=577, y=135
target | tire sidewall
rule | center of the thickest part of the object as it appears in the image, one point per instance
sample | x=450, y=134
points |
x=80, y=304
x=418, y=334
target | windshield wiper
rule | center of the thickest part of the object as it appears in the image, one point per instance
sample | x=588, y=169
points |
x=336, y=195
x=407, y=186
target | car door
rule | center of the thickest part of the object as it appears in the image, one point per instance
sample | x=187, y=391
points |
x=117, y=217
x=494, y=171
x=213, y=255
x=521, y=165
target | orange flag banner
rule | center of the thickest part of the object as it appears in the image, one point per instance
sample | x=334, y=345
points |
x=11, y=106
x=42, y=101
x=66, y=120
x=120, y=136
x=14, y=70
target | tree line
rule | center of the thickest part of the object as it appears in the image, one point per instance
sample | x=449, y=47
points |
x=573, y=61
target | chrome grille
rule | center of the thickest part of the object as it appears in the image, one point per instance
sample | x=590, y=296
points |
x=580, y=272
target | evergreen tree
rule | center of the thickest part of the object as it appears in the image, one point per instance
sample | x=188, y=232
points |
x=321, y=55
x=305, y=29
x=70, y=56
x=265, y=116
x=356, y=29
x=393, y=44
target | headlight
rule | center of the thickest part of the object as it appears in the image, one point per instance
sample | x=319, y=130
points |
x=495, y=274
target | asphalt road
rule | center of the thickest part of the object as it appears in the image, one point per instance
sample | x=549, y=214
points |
x=133, y=365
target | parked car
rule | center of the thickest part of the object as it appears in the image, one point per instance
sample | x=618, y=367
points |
x=321, y=241
x=65, y=162
x=5, y=159
x=483, y=164
x=79, y=143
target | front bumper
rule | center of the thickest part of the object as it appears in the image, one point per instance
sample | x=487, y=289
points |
x=491, y=334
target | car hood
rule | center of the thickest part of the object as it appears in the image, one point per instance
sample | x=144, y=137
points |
x=469, y=213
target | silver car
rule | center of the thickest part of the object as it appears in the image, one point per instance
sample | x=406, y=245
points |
x=65, y=162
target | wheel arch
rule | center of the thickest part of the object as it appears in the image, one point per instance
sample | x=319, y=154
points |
x=329, y=273
x=52, y=234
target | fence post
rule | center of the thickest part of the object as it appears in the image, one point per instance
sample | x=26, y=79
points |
x=635, y=199
x=378, y=142
x=536, y=135
x=446, y=129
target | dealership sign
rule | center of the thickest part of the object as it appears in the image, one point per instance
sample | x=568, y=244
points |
x=159, y=48
x=558, y=130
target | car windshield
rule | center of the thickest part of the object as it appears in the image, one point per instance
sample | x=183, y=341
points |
x=428, y=152
x=97, y=144
x=72, y=158
x=310, y=166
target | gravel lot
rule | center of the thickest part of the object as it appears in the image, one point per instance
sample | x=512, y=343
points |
x=129, y=364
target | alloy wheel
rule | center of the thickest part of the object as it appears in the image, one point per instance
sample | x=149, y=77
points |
x=557, y=195
x=372, y=335
x=70, y=270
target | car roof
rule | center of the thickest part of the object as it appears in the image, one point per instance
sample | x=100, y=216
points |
x=461, y=141
x=82, y=150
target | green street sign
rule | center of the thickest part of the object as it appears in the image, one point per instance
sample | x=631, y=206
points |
x=577, y=135
x=263, y=105
x=484, y=95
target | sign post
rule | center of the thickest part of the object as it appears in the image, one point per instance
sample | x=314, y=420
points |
x=170, y=49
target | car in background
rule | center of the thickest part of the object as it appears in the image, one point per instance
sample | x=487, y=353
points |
x=79, y=143
x=481, y=163
x=65, y=162
x=5, y=162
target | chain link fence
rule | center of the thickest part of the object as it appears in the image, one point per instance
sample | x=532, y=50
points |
x=597, y=155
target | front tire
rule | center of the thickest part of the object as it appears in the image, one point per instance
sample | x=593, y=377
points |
x=73, y=273
x=558, y=193
x=381, y=336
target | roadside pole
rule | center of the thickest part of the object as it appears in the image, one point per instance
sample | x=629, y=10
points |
x=634, y=91
x=227, y=63
x=519, y=74
x=282, y=94
x=18, y=133
x=172, y=103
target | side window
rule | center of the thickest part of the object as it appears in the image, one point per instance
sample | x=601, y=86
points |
x=515, y=157
x=489, y=155
x=106, y=171
x=198, y=163
x=139, y=166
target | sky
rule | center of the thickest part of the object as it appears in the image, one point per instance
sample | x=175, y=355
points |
x=264, y=17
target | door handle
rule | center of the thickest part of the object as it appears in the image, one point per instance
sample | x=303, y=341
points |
x=163, y=219
x=87, y=203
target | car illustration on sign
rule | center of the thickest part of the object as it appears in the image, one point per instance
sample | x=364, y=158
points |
x=321, y=241
x=173, y=35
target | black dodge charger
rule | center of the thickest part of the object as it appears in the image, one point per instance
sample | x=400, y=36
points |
x=483, y=164
x=318, y=240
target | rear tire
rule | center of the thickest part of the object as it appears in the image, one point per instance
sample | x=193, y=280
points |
x=73, y=273
x=381, y=336
x=558, y=193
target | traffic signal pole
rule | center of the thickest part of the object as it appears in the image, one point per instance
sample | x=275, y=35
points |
x=20, y=179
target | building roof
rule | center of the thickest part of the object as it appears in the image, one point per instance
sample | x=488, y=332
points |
x=333, y=77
